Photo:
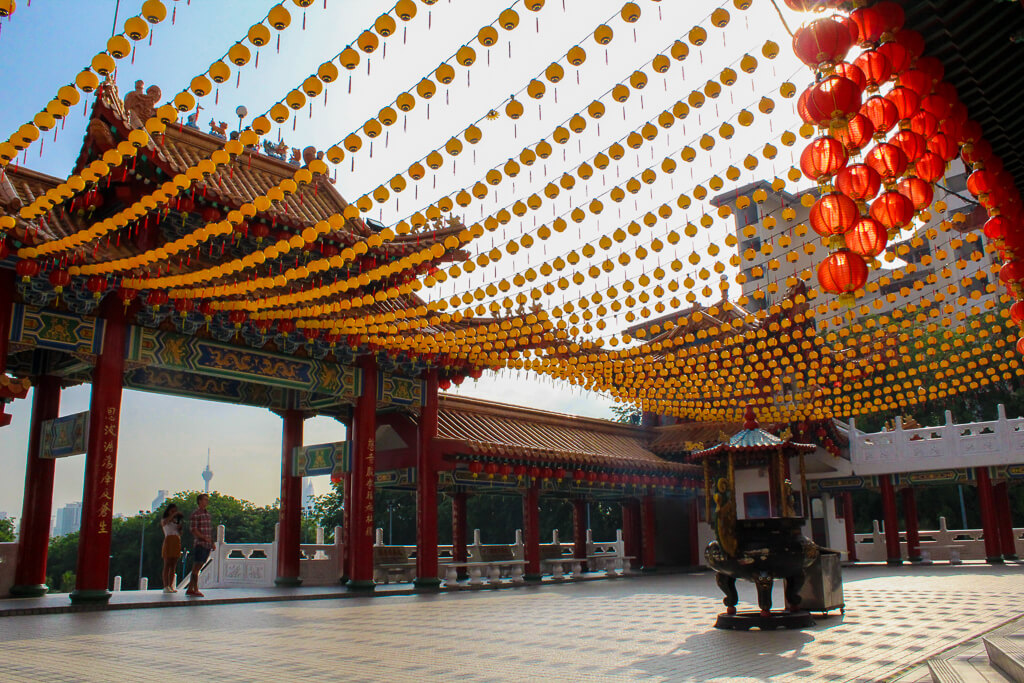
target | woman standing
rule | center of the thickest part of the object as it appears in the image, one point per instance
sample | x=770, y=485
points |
x=171, y=551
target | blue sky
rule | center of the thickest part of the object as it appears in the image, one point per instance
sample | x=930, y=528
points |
x=42, y=47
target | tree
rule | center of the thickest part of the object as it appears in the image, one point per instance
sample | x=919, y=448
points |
x=6, y=530
x=626, y=413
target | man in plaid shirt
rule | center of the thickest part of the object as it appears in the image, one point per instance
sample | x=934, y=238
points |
x=202, y=533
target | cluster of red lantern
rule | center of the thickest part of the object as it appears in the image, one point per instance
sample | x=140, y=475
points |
x=579, y=477
x=917, y=126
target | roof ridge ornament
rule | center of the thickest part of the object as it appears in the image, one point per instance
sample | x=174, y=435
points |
x=749, y=419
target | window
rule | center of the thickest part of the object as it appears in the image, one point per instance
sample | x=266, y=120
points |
x=756, y=505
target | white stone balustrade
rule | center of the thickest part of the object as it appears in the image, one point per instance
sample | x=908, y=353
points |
x=251, y=565
x=950, y=446
x=940, y=545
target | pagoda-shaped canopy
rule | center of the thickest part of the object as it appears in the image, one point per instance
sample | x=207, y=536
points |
x=752, y=440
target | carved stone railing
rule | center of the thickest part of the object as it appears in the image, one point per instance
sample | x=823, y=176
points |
x=941, y=545
x=252, y=565
x=950, y=446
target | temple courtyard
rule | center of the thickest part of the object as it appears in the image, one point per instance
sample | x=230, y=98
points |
x=643, y=628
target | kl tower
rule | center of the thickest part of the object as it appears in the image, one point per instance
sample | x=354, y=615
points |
x=207, y=473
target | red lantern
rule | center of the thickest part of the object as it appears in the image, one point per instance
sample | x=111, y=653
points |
x=867, y=237
x=892, y=210
x=832, y=101
x=491, y=469
x=996, y=228
x=1012, y=274
x=980, y=183
x=285, y=326
x=888, y=160
x=970, y=132
x=156, y=298
x=876, y=68
x=892, y=17
x=1020, y=346
x=931, y=66
x=237, y=318
x=977, y=154
x=126, y=294
x=475, y=468
x=506, y=470
x=519, y=470
x=870, y=25
x=27, y=269
x=60, y=279
x=899, y=58
x=184, y=306
x=579, y=475
x=97, y=284
x=882, y=112
x=559, y=473
x=833, y=214
x=822, y=42
x=860, y=182
x=534, y=472
x=210, y=215
x=930, y=167
x=918, y=191
x=856, y=134
x=842, y=272
x=822, y=158
x=917, y=80
x=1017, y=312
x=925, y=124
x=912, y=42
x=906, y=100
x=186, y=205
x=938, y=106
x=853, y=72
x=444, y=384
x=944, y=146
x=912, y=144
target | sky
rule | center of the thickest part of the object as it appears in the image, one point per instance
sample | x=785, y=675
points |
x=164, y=440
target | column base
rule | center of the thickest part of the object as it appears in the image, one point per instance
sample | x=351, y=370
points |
x=998, y=559
x=533, y=578
x=1008, y=558
x=343, y=579
x=915, y=560
x=361, y=586
x=648, y=570
x=427, y=582
x=894, y=562
x=90, y=596
x=30, y=590
x=288, y=581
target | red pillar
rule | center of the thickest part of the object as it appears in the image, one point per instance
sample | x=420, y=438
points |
x=34, y=537
x=647, y=535
x=290, y=514
x=100, y=464
x=1007, y=539
x=851, y=540
x=910, y=520
x=7, y=289
x=989, y=521
x=459, y=551
x=579, y=529
x=426, y=490
x=892, y=524
x=364, y=429
x=531, y=531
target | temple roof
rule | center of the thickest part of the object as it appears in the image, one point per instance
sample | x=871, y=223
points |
x=484, y=428
x=752, y=439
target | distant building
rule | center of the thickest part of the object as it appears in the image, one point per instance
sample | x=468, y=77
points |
x=207, y=473
x=308, y=494
x=161, y=497
x=775, y=246
x=69, y=519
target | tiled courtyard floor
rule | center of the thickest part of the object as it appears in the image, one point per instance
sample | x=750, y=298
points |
x=652, y=628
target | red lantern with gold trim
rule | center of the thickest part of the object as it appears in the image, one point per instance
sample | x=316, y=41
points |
x=917, y=80
x=918, y=191
x=832, y=101
x=888, y=160
x=60, y=279
x=27, y=269
x=925, y=124
x=833, y=214
x=893, y=210
x=822, y=42
x=867, y=237
x=930, y=167
x=842, y=272
x=876, y=68
x=912, y=144
x=943, y=146
x=898, y=56
x=859, y=182
x=883, y=114
x=822, y=158
x=870, y=25
x=856, y=134
x=906, y=100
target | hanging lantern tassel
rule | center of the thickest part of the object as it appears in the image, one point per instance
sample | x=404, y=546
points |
x=278, y=43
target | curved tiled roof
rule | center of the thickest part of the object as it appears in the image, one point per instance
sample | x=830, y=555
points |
x=483, y=428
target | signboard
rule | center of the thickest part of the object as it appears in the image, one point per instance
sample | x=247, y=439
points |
x=64, y=436
x=325, y=458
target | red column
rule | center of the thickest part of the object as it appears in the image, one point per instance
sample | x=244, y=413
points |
x=34, y=537
x=579, y=529
x=891, y=519
x=426, y=490
x=7, y=289
x=1007, y=539
x=364, y=429
x=100, y=464
x=648, y=552
x=290, y=513
x=910, y=520
x=459, y=551
x=851, y=540
x=695, y=557
x=989, y=521
x=531, y=531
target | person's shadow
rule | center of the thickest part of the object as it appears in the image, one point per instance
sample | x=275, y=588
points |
x=717, y=653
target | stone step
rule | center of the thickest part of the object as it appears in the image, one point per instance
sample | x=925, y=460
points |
x=1007, y=655
x=964, y=671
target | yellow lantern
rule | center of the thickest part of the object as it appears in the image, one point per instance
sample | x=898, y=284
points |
x=259, y=35
x=103, y=64
x=426, y=89
x=508, y=19
x=87, y=81
x=349, y=58
x=445, y=73
x=239, y=54
x=119, y=47
x=367, y=42
x=279, y=17
x=603, y=34
x=154, y=11
x=576, y=55
x=136, y=28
